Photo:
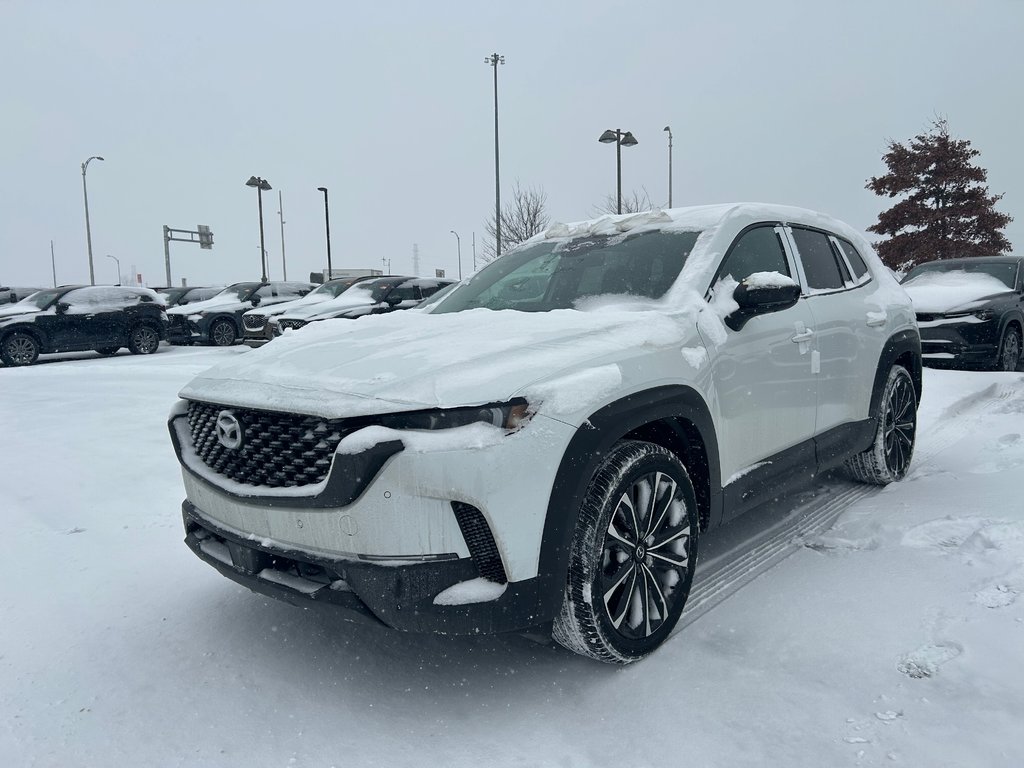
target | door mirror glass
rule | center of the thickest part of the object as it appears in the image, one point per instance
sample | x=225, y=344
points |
x=760, y=294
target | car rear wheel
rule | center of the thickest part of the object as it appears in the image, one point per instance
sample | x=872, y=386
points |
x=19, y=349
x=888, y=458
x=633, y=555
x=143, y=340
x=1008, y=356
x=223, y=333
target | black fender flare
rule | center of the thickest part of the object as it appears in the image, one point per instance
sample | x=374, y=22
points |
x=677, y=405
x=900, y=345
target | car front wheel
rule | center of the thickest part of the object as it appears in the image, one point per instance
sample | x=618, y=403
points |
x=888, y=458
x=223, y=333
x=1009, y=350
x=143, y=340
x=19, y=349
x=632, y=557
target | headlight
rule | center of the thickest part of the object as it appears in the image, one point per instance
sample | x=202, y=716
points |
x=985, y=314
x=509, y=416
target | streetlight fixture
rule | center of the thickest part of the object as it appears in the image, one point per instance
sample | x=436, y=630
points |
x=620, y=139
x=493, y=61
x=327, y=222
x=118, y=262
x=88, y=230
x=458, y=244
x=669, y=130
x=261, y=185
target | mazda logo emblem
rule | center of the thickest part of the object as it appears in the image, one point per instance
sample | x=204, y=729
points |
x=229, y=430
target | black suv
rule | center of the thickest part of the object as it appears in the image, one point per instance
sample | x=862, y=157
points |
x=218, y=320
x=75, y=318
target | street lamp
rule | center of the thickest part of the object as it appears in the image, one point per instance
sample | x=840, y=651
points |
x=669, y=129
x=493, y=61
x=262, y=185
x=458, y=244
x=118, y=262
x=88, y=230
x=621, y=139
x=327, y=221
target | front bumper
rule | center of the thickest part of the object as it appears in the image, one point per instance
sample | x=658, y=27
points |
x=389, y=524
x=397, y=596
x=955, y=342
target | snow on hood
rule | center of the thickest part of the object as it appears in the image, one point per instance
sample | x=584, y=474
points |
x=355, y=296
x=938, y=292
x=401, y=361
x=229, y=303
x=18, y=309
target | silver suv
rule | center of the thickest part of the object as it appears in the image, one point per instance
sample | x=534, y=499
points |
x=545, y=445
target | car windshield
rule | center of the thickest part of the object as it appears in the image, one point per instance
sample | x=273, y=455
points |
x=41, y=299
x=374, y=290
x=557, y=274
x=240, y=292
x=1005, y=272
x=334, y=287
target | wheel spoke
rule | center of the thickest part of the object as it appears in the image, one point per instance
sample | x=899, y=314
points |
x=628, y=503
x=656, y=591
x=625, y=598
x=684, y=531
x=667, y=558
x=654, y=524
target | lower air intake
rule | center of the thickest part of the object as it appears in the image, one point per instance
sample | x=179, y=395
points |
x=480, y=541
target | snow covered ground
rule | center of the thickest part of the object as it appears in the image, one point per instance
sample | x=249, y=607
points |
x=893, y=634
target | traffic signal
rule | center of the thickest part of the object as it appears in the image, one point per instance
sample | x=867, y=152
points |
x=205, y=236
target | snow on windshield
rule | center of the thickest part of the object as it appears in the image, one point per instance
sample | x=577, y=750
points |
x=936, y=291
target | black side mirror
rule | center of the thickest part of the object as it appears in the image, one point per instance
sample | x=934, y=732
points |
x=393, y=300
x=255, y=301
x=62, y=307
x=760, y=300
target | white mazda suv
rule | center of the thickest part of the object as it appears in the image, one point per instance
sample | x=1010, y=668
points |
x=544, y=446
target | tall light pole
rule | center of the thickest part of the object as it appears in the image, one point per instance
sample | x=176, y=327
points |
x=118, y=262
x=53, y=264
x=458, y=244
x=261, y=185
x=280, y=212
x=621, y=139
x=88, y=230
x=493, y=61
x=327, y=222
x=669, y=129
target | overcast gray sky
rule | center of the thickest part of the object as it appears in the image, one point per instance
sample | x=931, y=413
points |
x=390, y=105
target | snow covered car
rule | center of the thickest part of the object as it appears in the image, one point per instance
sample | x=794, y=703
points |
x=218, y=320
x=369, y=297
x=258, y=329
x=544, y=446
x=970, y=311
x=74, y=318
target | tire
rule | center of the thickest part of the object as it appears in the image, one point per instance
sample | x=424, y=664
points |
x=1008, y=356
x=888, y=458
x=223, y=333
x=106, y=351
x=143, y=340
x=19, y=349
x=609, y=610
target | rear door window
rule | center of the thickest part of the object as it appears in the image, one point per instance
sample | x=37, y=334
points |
x=819, y=261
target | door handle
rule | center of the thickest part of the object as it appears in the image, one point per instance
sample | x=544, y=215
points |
x=803, y=336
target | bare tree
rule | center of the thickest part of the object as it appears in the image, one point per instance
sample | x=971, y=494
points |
x=521, y=219
x=634, y=202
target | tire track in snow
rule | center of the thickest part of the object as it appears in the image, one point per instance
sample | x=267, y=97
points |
x=728, y=571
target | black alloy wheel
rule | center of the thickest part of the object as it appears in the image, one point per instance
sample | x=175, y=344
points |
x=888, y=459
x=143, y=340
x=19, y=349
x=1009, y=350
x=633, y=555
x=223, y=333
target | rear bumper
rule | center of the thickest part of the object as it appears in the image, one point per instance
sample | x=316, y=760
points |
x=399, y=596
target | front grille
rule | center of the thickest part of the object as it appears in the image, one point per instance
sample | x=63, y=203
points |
x=254, y=322
x=480, y=541
x=277, y=450
x=927, y=317
x=293, y=324
x=177, y=322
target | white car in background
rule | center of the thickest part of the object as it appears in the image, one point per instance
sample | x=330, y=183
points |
x=544, y=446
